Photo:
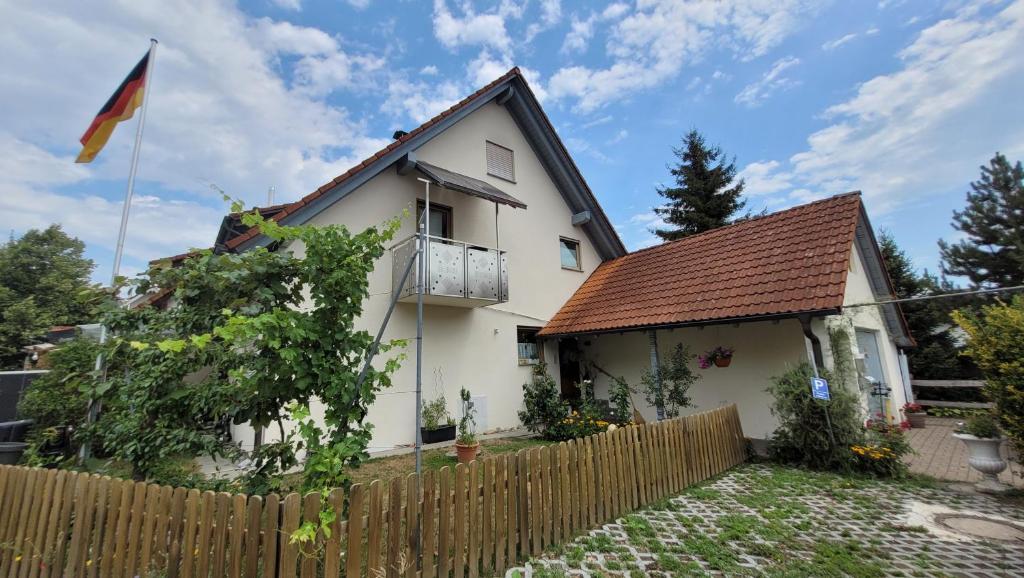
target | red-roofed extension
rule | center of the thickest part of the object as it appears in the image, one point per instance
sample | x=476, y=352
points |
x=784, y=264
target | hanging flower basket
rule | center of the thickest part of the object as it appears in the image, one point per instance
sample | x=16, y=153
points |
x=719, y=357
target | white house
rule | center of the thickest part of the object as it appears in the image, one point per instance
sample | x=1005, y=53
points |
x=523, y=264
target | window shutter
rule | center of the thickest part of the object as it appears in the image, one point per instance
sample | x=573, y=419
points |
x=499, y=162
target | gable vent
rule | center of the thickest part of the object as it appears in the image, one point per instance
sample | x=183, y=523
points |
x=500, y=162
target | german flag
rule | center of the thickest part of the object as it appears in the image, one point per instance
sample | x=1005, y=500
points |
x=121, y=106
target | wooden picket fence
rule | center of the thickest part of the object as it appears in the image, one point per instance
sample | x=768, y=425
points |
x=460, y=522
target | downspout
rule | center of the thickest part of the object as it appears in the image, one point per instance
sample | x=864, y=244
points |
x=819, y=359
x=652, y=337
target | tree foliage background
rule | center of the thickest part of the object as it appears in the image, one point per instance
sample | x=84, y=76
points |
x=704, y=196
x=44, y=281
x=937, y=355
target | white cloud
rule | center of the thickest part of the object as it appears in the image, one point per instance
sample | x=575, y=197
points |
x=358, y=4
x=652, y=44
x=550, y=15
x=295, y=5
x=927, y=126
x=28, y=175
x=580, y=33
x=620, y=136
x=764, y=178
x=429, y=70
x=833, y=44
x=581, y=146
x=871, y=31
x=420, y=100
x=473, y=29
x=772, y=81
x=235, y=101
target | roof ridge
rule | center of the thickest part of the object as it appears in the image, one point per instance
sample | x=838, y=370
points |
x=289, y=207
x=746, y=221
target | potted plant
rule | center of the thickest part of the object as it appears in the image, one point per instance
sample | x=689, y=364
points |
x=915, y=414
x=438, y=425
x=982, y=437
x=466, y=444
x=719, y=357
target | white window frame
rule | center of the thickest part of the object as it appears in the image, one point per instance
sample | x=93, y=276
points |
x=579, y=253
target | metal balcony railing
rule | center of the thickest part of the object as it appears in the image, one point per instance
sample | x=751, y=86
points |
x=455, y=269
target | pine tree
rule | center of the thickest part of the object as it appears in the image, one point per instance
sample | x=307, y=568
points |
x=992, y=255
x=702, y=198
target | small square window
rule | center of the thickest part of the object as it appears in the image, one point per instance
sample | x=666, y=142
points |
x=570, y=254
x=500, y=162
x=529, y=348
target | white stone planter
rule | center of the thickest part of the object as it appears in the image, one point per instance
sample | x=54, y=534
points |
x=983, y=455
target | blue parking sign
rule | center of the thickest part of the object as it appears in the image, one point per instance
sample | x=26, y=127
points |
x=819, y=388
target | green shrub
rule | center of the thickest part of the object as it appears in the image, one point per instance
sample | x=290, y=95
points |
x=981, y=425
x=435, y=414
x=676, y=377
x=620, y=402
x=802, y=437
x=55, y=398
x=544, y=408
x=997, y=346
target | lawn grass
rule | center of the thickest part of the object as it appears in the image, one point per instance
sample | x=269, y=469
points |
x=390, y=467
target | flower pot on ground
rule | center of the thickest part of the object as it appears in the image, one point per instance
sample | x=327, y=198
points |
x=983, y=439
x=915, y=414
x=467, y=453
x=466, y=444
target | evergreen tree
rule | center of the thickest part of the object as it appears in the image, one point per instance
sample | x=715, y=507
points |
x=702, y=198
x=992, y=255
x=936, y=355
x=44, y=281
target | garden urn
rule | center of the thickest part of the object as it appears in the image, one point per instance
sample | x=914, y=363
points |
x=723, y=361
x=983, y=455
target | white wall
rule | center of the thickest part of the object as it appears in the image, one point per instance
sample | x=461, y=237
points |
x=763, y=349
x=473, y=348
x=858, y=290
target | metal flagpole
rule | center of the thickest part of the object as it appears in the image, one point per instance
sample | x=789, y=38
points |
x=93, y=408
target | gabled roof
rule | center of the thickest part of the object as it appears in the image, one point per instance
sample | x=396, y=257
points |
x=510, y=90
x=780, y=265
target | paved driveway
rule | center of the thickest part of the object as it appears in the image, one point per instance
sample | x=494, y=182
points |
x=761, y=520
x=942, y=456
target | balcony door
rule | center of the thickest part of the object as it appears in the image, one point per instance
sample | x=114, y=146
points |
x=440, y=219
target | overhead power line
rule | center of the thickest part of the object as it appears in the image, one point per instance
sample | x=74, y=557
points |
x=940, y=296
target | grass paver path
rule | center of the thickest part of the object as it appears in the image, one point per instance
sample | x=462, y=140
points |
x=763, y=520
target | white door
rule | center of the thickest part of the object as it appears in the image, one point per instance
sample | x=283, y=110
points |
x=877, y=388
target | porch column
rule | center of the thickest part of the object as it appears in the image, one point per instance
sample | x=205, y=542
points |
x=652, y=337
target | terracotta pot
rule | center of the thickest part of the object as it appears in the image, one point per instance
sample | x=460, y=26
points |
x=723, y=361
x=916, y=419
x=983, y=455
x=467, y=453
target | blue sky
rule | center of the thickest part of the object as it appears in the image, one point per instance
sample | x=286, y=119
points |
x=900, y=99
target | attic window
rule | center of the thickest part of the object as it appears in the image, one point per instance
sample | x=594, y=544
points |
x=500, y=162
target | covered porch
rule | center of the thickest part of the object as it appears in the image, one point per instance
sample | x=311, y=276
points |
x=763, y=349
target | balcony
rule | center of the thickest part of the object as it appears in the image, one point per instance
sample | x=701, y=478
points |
x=459, y=274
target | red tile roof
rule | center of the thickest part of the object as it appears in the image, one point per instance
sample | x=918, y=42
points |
x=292, y=207
x=793, y=261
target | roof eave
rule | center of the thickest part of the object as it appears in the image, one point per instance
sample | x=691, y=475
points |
x=705, y=322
